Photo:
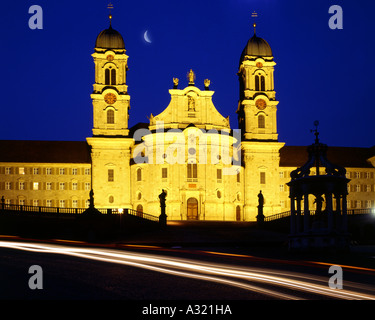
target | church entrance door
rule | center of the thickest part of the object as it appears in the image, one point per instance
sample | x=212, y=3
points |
x=192, y=209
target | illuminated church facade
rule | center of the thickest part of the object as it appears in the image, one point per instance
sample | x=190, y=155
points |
x=209, y=171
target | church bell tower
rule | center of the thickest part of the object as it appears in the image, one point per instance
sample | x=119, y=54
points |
x=257, y=104
x=110, y=96
x=256, y=112
x=110, y=143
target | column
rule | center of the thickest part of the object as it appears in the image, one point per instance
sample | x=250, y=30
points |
x=249, y=82
x=183, y=206
x=338, y=203
x=338, y=216
x=298, y=222
x=248, y=119
x=292, y=217
x=329, y=211
x=201, y=213
x=344, y=214
x=306, y=213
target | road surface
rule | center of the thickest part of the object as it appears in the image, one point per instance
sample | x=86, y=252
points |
x=139, y=273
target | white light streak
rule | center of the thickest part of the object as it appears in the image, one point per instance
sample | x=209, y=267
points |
x=243, y=277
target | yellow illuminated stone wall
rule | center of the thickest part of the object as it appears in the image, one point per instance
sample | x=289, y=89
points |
x=46, y=184
x=184, y=150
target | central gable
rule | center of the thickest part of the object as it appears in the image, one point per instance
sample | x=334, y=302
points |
x=190, y=106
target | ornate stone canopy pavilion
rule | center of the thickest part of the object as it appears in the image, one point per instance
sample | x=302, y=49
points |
x=319, y=228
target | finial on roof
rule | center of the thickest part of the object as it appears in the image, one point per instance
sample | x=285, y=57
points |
x=254, y=15
x=110, y=7
x=316, y=132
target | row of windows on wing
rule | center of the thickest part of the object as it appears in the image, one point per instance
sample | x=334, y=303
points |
x=47, y=171
x=191, y=173
x=74, y=203
x=22, y=185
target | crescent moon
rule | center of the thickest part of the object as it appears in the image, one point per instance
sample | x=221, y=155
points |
x=146, y=37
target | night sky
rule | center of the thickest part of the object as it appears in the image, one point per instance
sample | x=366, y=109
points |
x=321, y=74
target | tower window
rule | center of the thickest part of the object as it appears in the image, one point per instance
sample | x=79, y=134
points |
x=219, y=175
x=262, y=178
x=261, y=121
x=139, y=174
x=110, y=116
x=192, y=171
x=107, y=80
x=110, y=76
x=260, y=83
x=113, y=76
x=111, y=175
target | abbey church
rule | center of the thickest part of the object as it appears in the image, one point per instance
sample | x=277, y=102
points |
x=209, y=170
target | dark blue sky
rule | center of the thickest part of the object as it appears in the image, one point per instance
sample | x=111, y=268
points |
x=323, y=74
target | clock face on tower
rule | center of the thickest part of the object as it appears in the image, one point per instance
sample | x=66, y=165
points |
x=110, y=98
x=261, y=104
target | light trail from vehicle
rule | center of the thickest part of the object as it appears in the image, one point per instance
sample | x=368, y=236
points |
x=270, y=282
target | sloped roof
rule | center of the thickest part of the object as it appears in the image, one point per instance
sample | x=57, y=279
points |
x=348, y=157
x=44, y=151
x=79, y=152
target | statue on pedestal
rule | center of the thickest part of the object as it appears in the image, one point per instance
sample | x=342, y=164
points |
x=162, y=197
x=260, y=216
x=191, y=77
x=91, y=199
x=191, y=104
x=163, y=216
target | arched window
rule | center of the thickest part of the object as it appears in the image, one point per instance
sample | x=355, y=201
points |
x=110, y=116
x=113, y=76
x=256, y=83
x=261, y=121
x=139, y=174
x=106, y=73
x=262, y=84
x=110, y=76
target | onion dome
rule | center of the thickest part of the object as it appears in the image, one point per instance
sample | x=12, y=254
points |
x=110, y=39
x=257, y=47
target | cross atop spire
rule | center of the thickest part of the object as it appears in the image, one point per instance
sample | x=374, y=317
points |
x=316, y=132
x=254, y=15
x=110, y=7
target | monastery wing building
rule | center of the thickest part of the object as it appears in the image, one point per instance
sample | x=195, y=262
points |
x=208, y=170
